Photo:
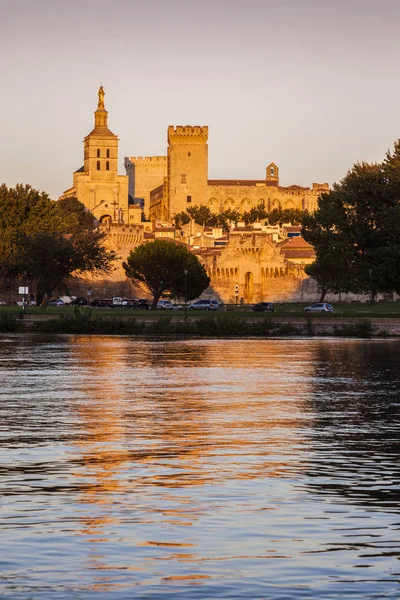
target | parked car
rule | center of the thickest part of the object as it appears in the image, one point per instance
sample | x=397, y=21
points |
x=204, y=305
x=79, y=302
x=319, y=307
x=165, y=305
x=263, y=306
x=117, y=301
x=101, y=303
x=56, y=302
x=142, y=303
x=128, y=303
x=66, y=299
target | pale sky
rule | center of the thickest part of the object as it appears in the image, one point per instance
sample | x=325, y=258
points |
x=313, y=85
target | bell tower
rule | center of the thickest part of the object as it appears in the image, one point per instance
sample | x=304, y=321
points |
x=272, y=174
x=97, y=184
x=101, y=145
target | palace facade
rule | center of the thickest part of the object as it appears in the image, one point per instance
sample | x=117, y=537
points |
x=170, y=184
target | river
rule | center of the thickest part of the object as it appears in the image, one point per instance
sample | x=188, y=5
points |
x=198, y=469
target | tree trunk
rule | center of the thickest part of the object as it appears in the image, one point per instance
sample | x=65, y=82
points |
x=324, y=291
x=155, y=301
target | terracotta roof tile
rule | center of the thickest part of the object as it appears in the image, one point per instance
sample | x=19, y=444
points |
x=296, y=242
x=299, y=253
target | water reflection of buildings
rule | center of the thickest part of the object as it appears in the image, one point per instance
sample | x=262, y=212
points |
x=160, y=418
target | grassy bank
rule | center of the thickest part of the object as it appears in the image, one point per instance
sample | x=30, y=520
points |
x=346, y=310
x=83, y=321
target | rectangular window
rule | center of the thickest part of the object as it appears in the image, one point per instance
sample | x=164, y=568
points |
x=188, y=198
x=183, y=178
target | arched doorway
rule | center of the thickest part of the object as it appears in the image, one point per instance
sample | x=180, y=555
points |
x=248, y=287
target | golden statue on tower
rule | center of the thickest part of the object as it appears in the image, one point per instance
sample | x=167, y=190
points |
x=100, y=104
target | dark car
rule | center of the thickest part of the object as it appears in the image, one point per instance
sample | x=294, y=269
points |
x=79, y=302
x=101, y=303
x=142, y=303
x=263, y=306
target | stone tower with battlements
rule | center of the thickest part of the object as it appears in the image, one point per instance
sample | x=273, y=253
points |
x=187, y=167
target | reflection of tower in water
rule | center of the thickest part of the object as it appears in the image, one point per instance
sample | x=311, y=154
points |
x=161, y=418
x=100, y=448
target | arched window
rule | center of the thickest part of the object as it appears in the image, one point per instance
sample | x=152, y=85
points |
x=272, y=171
x=108, y=153
x=98, y=152
x=107, y=166
x=98, y=165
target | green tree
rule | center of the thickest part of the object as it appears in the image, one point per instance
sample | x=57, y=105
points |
x=182, y=218
x=161, y=266
x=75, y=215
x=255, y=214
x=50, y=259
x=227, y=217
x=202, y=215
x=43, y=239
x=357, y=225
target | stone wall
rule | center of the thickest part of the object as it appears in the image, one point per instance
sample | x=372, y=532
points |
x=243, y=196
x=148, y=173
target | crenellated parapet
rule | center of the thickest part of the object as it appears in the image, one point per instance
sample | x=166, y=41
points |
x=149, y=163
x=187, y=134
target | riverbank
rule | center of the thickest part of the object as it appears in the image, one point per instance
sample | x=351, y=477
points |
x=224, y=324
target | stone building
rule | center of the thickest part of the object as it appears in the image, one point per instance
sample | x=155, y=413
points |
x=180, y=180
x=97, y=184
x=266, y=262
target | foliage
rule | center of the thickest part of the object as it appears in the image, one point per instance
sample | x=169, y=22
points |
x=287, y=215
x=363, y=329
x=73, y=212
x=256, y=214
x=48, y=241
x=161, y=266
x=180, y=219
x=202, y=215
x=356, y=230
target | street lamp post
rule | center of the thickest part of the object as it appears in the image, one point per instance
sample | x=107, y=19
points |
x=186, y=274
x=370, y=285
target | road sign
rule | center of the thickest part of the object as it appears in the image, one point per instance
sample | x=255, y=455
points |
x=23, y=290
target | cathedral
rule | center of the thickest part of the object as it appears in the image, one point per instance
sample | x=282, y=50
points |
x=262, y=262
x=97, y=184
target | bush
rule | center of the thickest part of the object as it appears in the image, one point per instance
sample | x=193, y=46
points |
x=363, y=329
x=10, y=322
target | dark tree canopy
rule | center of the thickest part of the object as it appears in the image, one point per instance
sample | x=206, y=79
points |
x=48, y=241
x=202, y=215
x=161, y=266
x=356, y=230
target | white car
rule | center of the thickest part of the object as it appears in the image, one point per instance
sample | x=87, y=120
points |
x=165, y=305
x=204, y=305
x=320, y=307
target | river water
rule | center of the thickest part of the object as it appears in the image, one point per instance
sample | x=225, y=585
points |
x=199, y=469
